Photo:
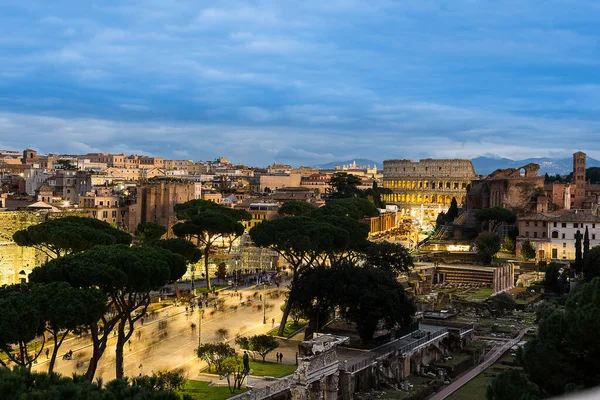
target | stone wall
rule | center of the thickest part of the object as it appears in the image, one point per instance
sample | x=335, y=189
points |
x=16, y=262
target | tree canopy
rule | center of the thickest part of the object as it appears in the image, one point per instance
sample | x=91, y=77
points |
x=495, y=216
x=67, y=310
x=488, y=244
x=502, y=302
x=344, y=185
x=126, y=275
x=527, y=250
x=258, y=344
x=21, y=383
x=205, y=222
x=355, y=208
x=366, y=296
x=68, y=235
x=21, y=320
x=591, y=265
x=147, y=232
x=565, y=355
x=388, y=256
x=295, y=208
x=214, y=354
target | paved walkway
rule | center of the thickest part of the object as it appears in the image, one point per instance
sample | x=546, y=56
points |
x=490, y=358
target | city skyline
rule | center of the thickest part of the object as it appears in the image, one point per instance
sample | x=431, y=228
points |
x=301, y=83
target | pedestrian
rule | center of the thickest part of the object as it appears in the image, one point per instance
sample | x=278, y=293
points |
x=280, y=357
x=142, y=321
x=272, y=322
x=246, y=361
x=47, y=353
x=277, y=356
x=186, y=309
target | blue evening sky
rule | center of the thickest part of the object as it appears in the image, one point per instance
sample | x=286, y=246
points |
x=301, y=82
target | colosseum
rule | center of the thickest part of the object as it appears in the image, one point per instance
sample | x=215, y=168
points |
x=422, y=189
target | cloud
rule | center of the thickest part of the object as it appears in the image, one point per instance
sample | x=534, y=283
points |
x=302, y=80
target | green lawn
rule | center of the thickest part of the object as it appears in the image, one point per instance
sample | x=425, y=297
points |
x=290, y=328
x=215, y=287
x=481, y=294
x=476, y=387
x=457, y=358
x=258, y=368
x=201, y=390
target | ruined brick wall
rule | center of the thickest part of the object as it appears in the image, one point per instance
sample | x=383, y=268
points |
x=16, y=262
x=15, y=259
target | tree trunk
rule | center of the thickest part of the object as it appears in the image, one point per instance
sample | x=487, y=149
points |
x=206, y=253
x=177, y=292
x=99, y=338
x=57, y=345
x=119, y=371
x=288, y=305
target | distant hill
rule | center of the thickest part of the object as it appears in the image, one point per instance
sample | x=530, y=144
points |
x=487, y=164
x=359, y=162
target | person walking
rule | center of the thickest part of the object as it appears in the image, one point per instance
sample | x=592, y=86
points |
x=272, y=322
x=47, y=354
x=246, y=361
x=277, y=356
x=280, y=357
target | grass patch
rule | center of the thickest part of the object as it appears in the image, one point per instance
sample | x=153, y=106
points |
x=267, y=368
x=457, y=358
x=201, y=390
x=481, y=294
x=213, y=287
x=290, y=328
x=476, y=387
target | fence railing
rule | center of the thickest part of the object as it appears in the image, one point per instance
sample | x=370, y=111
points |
x=360, y=362
x=463, y=326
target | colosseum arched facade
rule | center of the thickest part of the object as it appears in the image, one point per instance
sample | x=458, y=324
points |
x=425, y=188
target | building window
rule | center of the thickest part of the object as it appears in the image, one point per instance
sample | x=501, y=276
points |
x=575, y=225
x=564, y=244
x=543, y=234
x=526, y=223
x=564, y=224
x=544, y=224
x=535, y=223
x=593, y=236
x=554, y=235
x=527, y=234
x=555, y=224
x=535, y=234
x=563, y=235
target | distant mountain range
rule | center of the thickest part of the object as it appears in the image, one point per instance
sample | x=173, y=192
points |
x=487, y=164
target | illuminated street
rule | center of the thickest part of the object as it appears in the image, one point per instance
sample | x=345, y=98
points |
x=155, y=349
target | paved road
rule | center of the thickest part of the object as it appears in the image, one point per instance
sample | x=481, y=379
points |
x=490, y=358
x=172, y=346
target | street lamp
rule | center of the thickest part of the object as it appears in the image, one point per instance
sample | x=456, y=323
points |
x=193, y=269
x=200, y=317
x=264, y=308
